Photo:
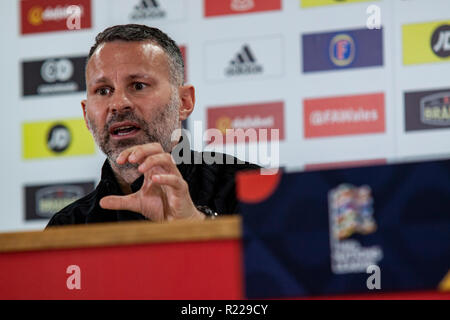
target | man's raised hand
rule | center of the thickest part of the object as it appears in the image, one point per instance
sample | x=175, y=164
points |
x=164, y=194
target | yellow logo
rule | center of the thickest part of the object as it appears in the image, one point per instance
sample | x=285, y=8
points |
x=444, y=285
x=35, y=16
x=318, y=3
x=68, y=137
x=426, y=42
x=223, y=123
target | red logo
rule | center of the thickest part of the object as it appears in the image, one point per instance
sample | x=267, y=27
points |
x=243, y=123
x=54, y=15
x=350, y=115
x=226, y=7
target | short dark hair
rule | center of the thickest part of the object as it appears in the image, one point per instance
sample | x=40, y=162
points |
x=140, y=32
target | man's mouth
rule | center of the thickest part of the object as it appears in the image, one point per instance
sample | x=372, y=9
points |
x=124, y=129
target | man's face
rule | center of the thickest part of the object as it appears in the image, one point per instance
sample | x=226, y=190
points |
x=130, y=99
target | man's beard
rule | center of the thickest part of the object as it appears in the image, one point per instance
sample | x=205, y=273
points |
x=159, y=129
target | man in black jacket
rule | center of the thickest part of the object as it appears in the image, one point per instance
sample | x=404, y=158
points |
x=136, y=100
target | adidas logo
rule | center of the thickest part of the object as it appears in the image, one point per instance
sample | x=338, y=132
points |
x=243, y=63
x=147, y=9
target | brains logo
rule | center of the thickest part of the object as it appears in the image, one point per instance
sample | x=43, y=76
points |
x=435, y=109
x=440, y=41
x=50, y=200
x=58, y=138
x=223, y=123
x=342, y=50
x=35, y=16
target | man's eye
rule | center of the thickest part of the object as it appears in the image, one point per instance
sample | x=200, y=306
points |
x=104, y=91
x=138, y=86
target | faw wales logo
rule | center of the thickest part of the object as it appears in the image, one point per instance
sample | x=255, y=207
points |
x=342, y=50
x=244, y=63
x=147, y=9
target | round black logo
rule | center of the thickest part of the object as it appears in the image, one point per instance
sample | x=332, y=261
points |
x=57, y=70
x=440, y=41
x=58, y=138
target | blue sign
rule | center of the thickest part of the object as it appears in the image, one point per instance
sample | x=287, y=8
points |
x=344, y=231
x=342, y=50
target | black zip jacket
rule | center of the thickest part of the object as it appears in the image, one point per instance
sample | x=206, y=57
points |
x=211, y=185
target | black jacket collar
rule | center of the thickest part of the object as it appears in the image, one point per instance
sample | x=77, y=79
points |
x=108, y=177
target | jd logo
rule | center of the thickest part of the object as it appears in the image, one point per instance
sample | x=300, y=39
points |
x=440, y=41
x=57, y=70
x=58, y=138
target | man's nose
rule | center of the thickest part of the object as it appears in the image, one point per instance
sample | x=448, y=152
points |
x=120, y=102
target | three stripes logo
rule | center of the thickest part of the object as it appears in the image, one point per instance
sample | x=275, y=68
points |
x=244, y=63
x=147, y=9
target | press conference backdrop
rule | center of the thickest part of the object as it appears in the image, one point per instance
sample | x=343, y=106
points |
x=337, y=90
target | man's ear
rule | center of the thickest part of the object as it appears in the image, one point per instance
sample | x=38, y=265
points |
x=187, y=98
x=83, y=106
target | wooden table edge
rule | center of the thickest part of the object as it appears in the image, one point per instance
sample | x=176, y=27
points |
x=123, y=233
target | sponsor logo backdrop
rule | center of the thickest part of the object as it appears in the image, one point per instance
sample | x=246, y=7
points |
x=342, y=49
x=53, y=76
x=426, y=42
x=38, y=16
x=252, y=116
x=252, y=58
x=66, y=137
x=340, y=93
x=41, y=202
x=348, y=115
x=425, y=110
